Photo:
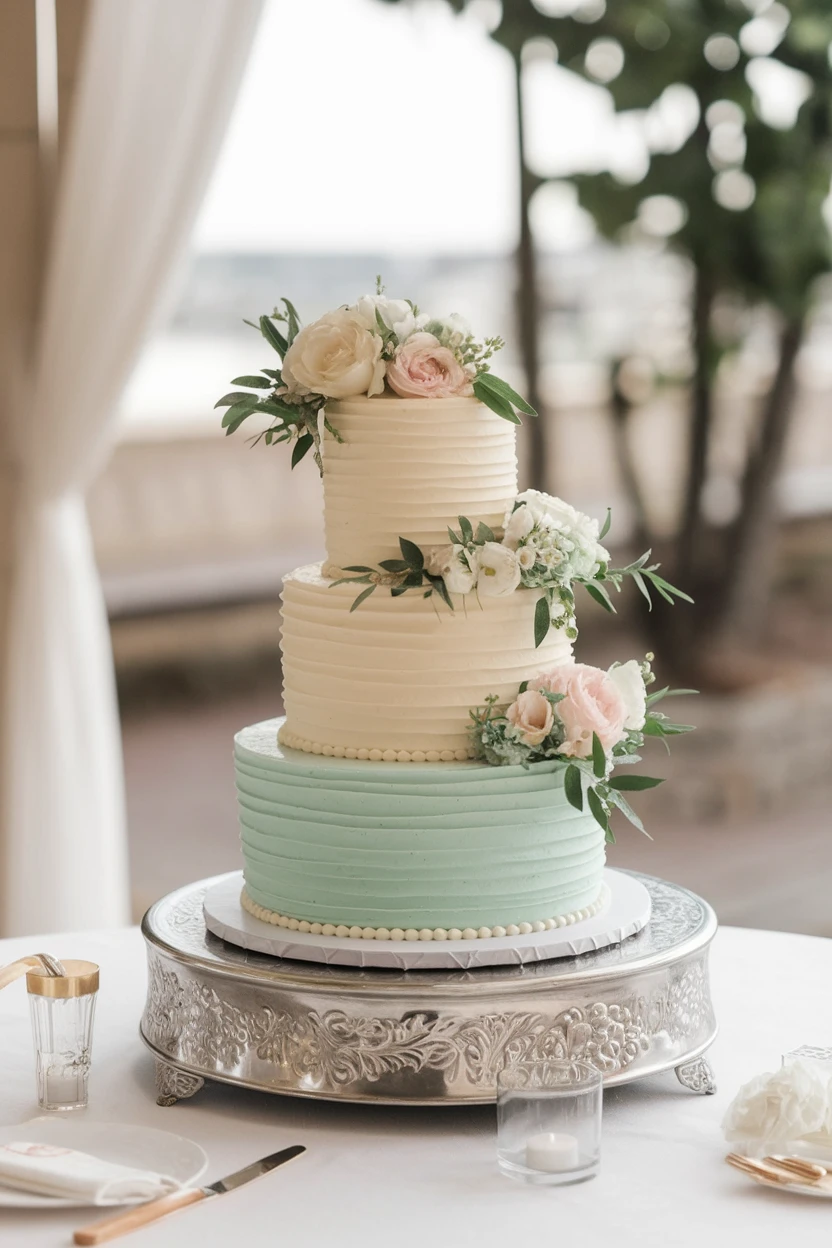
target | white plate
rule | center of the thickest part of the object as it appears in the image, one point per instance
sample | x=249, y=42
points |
x=145, y=1148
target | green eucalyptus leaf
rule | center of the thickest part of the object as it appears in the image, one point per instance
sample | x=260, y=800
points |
x=597, y=808
x=234, y=396
x=394, y=565
x=255, y=383
x=542, y=621
x=273, y=336
x=292, y=322
x=365, y=593
x=466, y=529
x=573, y=788
x=505, y=391
x=411, y=554
x=605, y=527
x=495, y=401
x=441, y=588
x=484, y=533
x=600, y=595
x=634, y=784
x=599, y=757
x=358, y=567
x=302, y=445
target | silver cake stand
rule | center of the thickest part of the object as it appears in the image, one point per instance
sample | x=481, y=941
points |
x=215, y=1011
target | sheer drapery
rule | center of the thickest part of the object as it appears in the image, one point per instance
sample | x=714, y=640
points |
x=157, y=83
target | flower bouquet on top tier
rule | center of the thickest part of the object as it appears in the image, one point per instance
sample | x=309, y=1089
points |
x=360, y=349
x=588, y=718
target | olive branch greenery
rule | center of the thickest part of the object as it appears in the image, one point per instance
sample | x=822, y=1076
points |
x=295, y=418
x=585, y=780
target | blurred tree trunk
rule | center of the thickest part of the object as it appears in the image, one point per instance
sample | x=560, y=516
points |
x=621, y=409
x=752, y=545
x=528, y=303
x=701, y=420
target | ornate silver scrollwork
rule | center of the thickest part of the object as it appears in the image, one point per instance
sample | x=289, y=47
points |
x=174, y=1085
x=698, y=1076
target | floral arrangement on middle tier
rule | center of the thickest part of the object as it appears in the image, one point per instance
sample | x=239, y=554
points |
x=545, y=545
x=588, y=718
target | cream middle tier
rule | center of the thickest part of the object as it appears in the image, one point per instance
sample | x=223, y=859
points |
x=395, y=679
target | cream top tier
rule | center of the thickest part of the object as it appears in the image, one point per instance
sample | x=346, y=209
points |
x=409, y=468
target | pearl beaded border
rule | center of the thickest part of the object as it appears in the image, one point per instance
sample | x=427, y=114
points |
x=426, y=933
x=293, y=742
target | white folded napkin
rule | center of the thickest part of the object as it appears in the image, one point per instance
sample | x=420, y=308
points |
x=49, y=1170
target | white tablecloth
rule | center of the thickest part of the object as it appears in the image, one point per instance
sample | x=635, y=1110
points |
x=407, y=1178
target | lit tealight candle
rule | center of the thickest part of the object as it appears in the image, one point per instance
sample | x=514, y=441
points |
x=551, y=1152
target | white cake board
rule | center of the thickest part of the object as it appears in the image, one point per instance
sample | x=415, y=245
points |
x=627, y=912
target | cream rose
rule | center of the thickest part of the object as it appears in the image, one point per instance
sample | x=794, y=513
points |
x=499, y=571
x=591, y=704
x=630, y=683
x=336, y=356
x=455, y=565
x=532, y=715
x=423, y=369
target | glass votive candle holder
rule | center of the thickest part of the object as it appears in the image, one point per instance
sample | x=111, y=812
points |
x=62, y=1008
x=549, y=1121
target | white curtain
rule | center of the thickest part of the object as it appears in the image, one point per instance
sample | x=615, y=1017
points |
x=157, y=82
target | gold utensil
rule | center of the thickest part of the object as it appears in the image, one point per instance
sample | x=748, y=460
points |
x=801, y=1166
x=141, y=1215
x=761, y=1171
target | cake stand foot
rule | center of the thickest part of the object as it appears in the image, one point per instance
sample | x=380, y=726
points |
x=174, y=1085
x=697, y=1076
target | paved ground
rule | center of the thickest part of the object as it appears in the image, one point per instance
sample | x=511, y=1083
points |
x=772, y=871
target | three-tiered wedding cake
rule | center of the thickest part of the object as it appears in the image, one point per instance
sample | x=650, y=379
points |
x=443, y=770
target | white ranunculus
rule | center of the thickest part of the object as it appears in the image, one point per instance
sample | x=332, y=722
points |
x=337, y=356
x=397, y=315
x=518, y=525
x=777, y=1108
x=630, y=681
x=499, y=571
x=456, y=566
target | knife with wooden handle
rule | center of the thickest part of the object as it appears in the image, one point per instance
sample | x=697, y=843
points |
x=141, y=1215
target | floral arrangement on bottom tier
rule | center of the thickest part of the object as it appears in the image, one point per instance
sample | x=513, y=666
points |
x=592, y=720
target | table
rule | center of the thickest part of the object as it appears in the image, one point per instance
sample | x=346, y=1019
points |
x=406, y=1177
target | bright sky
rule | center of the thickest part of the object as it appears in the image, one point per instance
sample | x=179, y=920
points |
x=366, y=126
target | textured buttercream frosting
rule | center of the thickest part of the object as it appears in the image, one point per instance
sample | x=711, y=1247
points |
x=402, y=674
x=454, y=845
x=409, y=468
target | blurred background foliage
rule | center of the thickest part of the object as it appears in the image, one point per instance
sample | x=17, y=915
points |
x=733, y=100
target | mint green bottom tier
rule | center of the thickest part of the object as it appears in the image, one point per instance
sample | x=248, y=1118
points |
x=410, y=845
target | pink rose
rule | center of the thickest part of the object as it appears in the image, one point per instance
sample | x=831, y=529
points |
x=532, y=714
x=591, y=703
x=424, y=369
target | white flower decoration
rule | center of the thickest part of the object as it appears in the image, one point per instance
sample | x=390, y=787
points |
x=630, y=681
x=779, y=1107
x=499, y=571
x=456, y=566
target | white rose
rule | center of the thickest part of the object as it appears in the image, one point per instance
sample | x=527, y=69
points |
x=499, y=571
x=518, y=525
x=630, y=682
x=397, y=315
x=456, y=566
x=337, y=356
x=780, y=1107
